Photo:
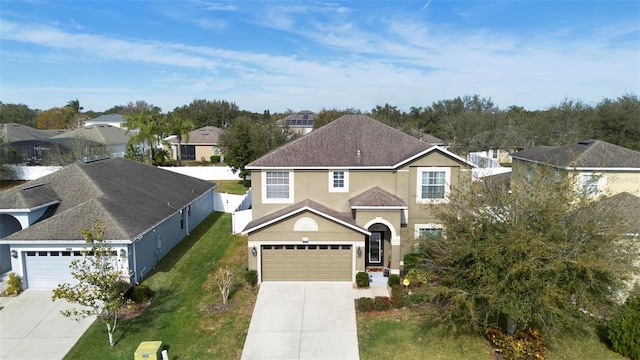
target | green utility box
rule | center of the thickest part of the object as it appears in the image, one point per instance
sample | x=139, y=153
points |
x=149, y=350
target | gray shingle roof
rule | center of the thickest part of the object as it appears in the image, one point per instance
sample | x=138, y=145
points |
x=376, y=196
x=207, y=135
x=584, y=154
x=17, y=132
x=131, y=198
x=101, y=134
x=350, y=141
x=29, y=197
x=345, y=217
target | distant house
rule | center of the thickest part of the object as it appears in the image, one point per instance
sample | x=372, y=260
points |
x=97, y=138
x=347, y=197
x=115, y=120
x=600, y=167
x=201, y=144
x=146, y=211
x=301, y=122
x=30, y=144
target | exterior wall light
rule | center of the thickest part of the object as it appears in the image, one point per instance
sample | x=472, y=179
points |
x=359, y=251
x=123, y=253
x=254, y=251
x=14, y=254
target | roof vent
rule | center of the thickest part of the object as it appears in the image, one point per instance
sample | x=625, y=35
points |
x=586, y=142
x=32, y=186
x=88, y=160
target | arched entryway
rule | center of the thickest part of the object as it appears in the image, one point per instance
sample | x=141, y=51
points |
x=378, y=246
x=8, y=225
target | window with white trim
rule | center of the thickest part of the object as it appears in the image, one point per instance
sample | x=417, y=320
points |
x=426, y=231
x=592, y=184
x=338, y=181
x=277, y=186
x=494, y=153
x=433, y=184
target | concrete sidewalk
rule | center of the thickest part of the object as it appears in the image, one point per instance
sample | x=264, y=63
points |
x=31, y=327
x=303, y=320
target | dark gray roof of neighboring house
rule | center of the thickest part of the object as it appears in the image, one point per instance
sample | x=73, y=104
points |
x=207, y=135
x=101, y=134
x=30, y=196
x=344, y=217
x=628, y=207
x=378, y=197
x=584, y=154
x=129, y=196
x=13, y=132
x=350, y=141
x=430, y=139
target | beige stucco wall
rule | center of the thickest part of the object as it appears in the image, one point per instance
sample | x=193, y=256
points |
x=327, y=231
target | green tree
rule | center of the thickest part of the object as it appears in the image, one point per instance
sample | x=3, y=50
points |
x=97, y=291
x=246, y=140
x=618, y=121
x=7, y=154
x=180, y=127
x=326, y=116
x=202, y=112
x=148, y=127
x=18, y=113
x=540, y=255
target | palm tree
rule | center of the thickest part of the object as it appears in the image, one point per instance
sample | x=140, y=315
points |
x=147, y=125
x=75, y=107
x=180, y=127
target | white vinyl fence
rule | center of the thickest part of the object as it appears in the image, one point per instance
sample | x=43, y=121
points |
x=22, y=172
x=205, y=172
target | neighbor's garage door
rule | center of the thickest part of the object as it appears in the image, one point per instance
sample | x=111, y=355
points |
x=47, y=269
x=306, y=263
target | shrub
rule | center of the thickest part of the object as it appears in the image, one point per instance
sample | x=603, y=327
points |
x=394, y=280
x=523, y=345
x=251, y=277
x=417, y=277
x=121, y=287
x=362, y=279
x=14, y=284
x=623, y=329
x=365, y=304
x=381, y=303
x=411, y=260
x=141, y=294
x=214, y=159
x=414, y=298
x=397, y=293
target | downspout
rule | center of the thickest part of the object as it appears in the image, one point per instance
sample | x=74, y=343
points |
x=135, y=266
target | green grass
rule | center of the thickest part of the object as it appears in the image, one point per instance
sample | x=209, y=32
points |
x=408, y=334
x=181, y=314
x=232, y=186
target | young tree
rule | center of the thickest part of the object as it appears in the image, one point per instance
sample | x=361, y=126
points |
x=96, y=291
x=538, y=256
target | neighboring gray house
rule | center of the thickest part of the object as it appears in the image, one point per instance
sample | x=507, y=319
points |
x=200, y=144
x=30, y=144
x=146, y=211
x=97, y=138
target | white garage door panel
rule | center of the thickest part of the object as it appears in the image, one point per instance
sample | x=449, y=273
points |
x=47, y=269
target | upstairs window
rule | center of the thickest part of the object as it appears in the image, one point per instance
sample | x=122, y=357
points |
x=338, y=181
x=277, y=187
x=433, y=184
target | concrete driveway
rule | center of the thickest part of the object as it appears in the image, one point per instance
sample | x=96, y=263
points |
x=303, y=320
x=31, y=327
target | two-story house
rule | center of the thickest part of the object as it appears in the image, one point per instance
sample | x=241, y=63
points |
x=600, y=168
x=344, y=198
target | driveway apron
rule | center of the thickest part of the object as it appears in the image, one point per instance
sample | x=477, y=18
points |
x=303, y=320
x=31, y=327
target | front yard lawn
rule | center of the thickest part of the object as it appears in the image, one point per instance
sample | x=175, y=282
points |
x=186, y=312
x=406, y=333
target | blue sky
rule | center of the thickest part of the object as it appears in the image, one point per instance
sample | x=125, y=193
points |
x=312, y=55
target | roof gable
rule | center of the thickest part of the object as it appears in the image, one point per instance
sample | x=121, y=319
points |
x=350, y=141
x=345, y=219
x=376, y=197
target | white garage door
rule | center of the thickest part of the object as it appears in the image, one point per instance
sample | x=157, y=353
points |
x=47, y=269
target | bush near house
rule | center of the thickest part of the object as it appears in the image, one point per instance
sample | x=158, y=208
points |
x=394, y=280
x=623, y=329
x=364, y=304
x=214, y=159
x=381, y=303
x=251, y=277
x=14, y=284
x=362, y=279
